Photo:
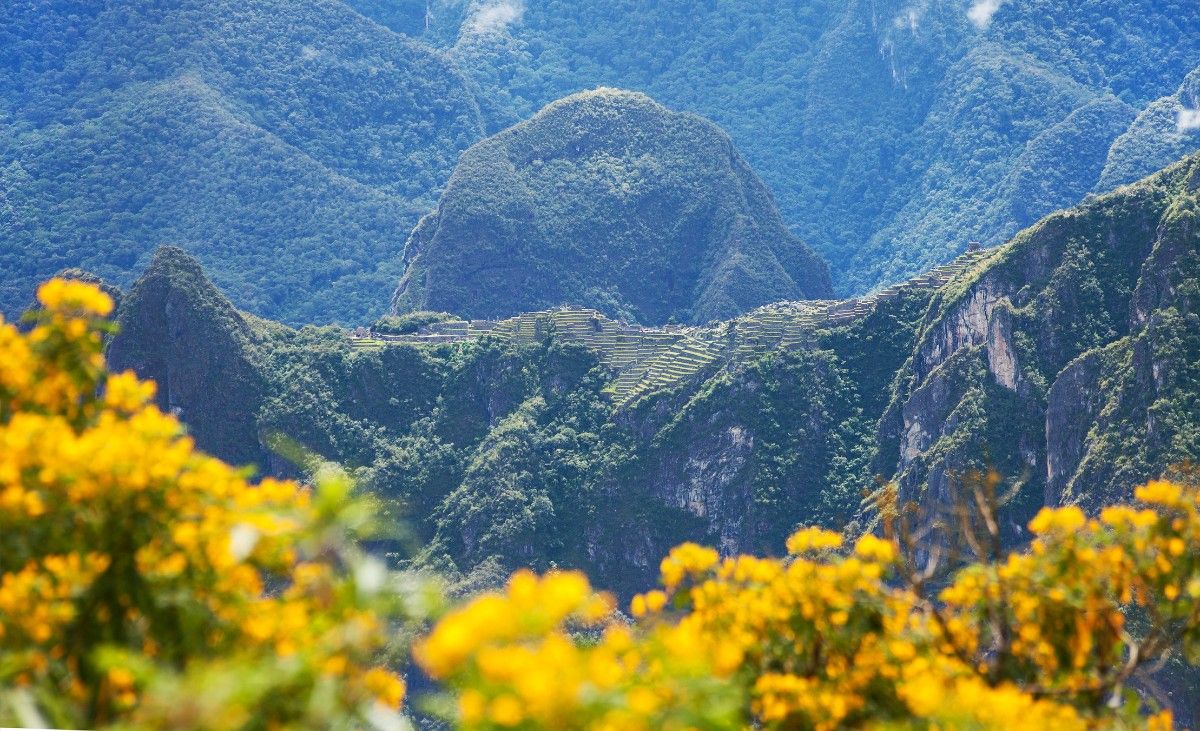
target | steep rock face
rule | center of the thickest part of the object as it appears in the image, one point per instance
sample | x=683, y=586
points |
x=710, y=481
x=608, y=200
x=759, y=449
x=177, y=329
x=1048, y=365
x=1072, y=406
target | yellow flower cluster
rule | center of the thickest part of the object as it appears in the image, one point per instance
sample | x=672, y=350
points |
x=1063, y=603
x=531, y=607
x=813, y=539
x=67, y=298
x=517, y=661
x=830, y=637
x=126, y=555
x=939, y=690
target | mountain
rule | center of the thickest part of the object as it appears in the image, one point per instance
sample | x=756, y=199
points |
x=1065, y=359
x=1163, y=132
x=892, y=132
x=178, y=329
x=606, y=199
x=288, y=145
x=293, y=146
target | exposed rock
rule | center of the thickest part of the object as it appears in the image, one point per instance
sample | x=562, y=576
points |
x=1073, y=321
x=1002, y=358
x=1071, y=410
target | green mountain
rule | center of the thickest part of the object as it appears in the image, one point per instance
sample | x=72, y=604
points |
x=1163, y=132
x=292, y=146
x=288, y=145
x=891, y=131
x=608, y=200
x=1065, y=359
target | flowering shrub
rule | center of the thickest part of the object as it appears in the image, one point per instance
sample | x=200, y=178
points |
x=146, y=585
x=833, y=637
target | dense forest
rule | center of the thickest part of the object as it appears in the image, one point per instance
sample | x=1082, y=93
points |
x=289, y=145
x=890, y=134
x=609, y=200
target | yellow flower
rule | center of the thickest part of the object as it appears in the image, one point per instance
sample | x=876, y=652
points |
x=871, y=548
x=120, y=678
x=124, y=392
x=813, y=539
x=471, y=706
x=506, y=711
x=387, y=687
x=64, y=295
x=688, y=559
x=1159, y=492
x=1060, y=520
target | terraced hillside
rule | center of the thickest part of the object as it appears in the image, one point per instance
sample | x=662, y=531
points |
x=648, y=360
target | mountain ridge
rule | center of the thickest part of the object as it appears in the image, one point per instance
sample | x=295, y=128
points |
x=890, y=133
x=835, y=104
x=310, y=136
x=1065, y=360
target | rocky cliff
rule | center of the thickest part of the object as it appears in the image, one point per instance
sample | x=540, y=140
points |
x=1067, y=360
x=178, y=330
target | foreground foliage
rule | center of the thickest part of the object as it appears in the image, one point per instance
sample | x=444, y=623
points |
x=146, y=585
x=829, y=638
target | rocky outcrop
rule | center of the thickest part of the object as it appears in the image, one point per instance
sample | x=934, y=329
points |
x=1072, y=406
x=178, y=330
x=1072, y=325
x=710, y=482
x=1001, y=351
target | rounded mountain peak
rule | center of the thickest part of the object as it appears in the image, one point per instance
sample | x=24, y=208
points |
x=606, y=199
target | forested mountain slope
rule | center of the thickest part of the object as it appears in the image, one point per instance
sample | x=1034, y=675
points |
x=288, y=145
x=1164, y=131
x=1065, y=359
x=891, y=131
x=606, y=199
x=293, y=145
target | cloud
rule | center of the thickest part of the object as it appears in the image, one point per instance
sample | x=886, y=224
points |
x=910, y=18
x=495, y=17
x=981, y=12
x=1189, y=119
